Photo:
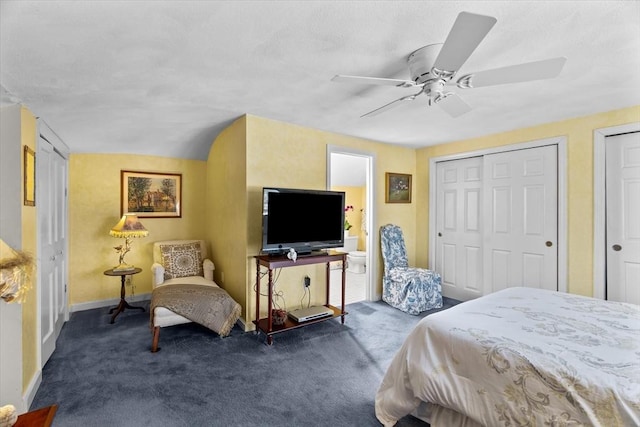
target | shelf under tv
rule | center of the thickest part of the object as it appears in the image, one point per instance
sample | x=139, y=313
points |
x=289, y=323
x=265, y=325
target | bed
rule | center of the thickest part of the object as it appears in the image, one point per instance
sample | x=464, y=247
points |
x=519, y=357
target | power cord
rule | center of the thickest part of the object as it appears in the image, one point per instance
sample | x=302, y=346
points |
x=275, y=280
x=276, y=295
x=307, y=293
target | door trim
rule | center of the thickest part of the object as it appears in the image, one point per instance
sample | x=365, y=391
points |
x=372, y=237
x=600, y=206
x=561, y=143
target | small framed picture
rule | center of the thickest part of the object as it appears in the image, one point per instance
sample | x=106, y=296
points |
x=151, y=194
x=397, y=188
x=29, y=176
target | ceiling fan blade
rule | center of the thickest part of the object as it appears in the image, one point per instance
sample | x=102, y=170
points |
x=538, y=70
x=465, y=36
x=373, y=81
x=390, y=106
x=453, y=105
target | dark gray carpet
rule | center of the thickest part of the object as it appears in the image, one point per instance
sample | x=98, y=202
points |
x=324, y=374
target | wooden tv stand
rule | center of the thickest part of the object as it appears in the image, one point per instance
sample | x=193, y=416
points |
x=271, y=262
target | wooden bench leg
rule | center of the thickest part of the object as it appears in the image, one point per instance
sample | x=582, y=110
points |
x=156, y=338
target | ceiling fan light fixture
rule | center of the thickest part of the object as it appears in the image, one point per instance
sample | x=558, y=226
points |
x=433, y=66
x=434, y=88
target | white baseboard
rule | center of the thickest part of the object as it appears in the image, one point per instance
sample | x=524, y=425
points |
x=32, y=388
x=107, y=302
x=243, y=325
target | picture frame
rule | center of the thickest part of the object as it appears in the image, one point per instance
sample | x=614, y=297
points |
x=397, y=188
x=29, y=176
x=151, y=194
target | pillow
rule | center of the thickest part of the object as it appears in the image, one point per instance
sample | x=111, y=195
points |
x=181, y=260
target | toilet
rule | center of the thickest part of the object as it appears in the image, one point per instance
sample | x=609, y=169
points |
x=356, y=259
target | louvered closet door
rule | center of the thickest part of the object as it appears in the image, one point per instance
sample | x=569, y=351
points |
x=458, y=224
x=521, y=224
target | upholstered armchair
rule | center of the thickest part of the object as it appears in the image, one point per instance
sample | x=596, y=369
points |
x=184, y=290
x=412, y=290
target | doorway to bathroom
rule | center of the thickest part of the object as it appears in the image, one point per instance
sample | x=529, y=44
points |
x=351, y=171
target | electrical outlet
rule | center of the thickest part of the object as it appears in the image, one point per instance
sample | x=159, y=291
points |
x=128, y=281
x=307, y=281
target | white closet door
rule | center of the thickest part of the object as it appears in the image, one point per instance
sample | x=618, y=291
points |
x=51, y=202
x=623, y=217
x=521, y=221
x=458, y=224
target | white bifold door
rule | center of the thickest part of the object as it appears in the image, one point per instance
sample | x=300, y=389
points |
x=623, y=217
x=52, y=211
x=497, y=222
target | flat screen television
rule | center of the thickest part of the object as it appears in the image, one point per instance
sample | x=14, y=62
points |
x=305, y=220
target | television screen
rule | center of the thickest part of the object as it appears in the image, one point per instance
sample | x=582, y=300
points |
x=305, y=220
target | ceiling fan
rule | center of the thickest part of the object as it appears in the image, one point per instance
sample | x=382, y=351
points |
x=434, y=66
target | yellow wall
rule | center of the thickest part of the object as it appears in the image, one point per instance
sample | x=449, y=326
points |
x=285, y=155
x=226, y=202
x=282, y=155
x=221, y=201
x=29, y=244
x=94, y=207
x=579, y=134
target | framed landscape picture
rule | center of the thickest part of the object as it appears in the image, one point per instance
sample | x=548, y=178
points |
x=151, y=194
x=397, y=188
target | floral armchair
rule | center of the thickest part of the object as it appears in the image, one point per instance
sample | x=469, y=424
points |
x=412, y=290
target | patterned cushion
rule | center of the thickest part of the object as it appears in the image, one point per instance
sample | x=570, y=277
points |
x=181, y=260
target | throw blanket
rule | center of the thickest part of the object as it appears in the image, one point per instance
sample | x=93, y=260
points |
x=207, y=305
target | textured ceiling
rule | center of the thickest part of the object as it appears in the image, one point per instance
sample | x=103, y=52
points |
x=164, y=78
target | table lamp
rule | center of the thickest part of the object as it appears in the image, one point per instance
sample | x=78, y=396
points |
x=128, y=227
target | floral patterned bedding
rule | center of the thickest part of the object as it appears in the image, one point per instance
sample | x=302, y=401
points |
x=519, y=357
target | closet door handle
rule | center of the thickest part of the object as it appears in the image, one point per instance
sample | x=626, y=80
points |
x=616, y=248
x=549, y=243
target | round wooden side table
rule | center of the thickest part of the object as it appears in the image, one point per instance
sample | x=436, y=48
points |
x=123, y=304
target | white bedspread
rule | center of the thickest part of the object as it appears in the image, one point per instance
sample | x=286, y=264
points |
x=519, y=357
